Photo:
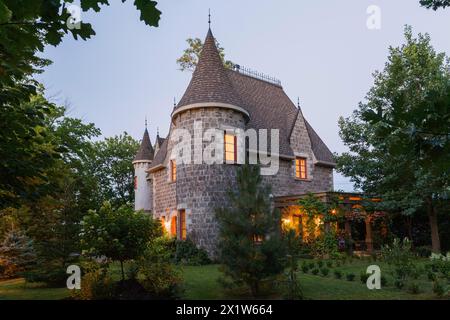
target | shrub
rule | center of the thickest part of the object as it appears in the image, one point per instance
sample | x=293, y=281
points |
x=324, y=271
x=305, y=267
x=363, y=276
x=160, y=278
x=315, y=271
x=329, y=264
x=95, y=285
x=384, y=281
x=431, y=275
x=399, y=283
x=337, y=274
x=439, y=288
x=187, y=253
x=320, y=263
x=413, y=287
x=401, y=258
x=311, y=265
x=423, y=252
x=350, y=276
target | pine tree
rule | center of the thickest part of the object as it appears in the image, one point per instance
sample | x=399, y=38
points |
x=250, y=244
x=16, y=253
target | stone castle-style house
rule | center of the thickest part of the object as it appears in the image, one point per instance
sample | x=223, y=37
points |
x=184, y=196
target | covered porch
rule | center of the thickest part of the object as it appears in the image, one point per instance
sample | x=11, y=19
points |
x=350, y=215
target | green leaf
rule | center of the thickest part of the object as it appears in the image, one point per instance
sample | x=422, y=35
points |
x=149, y=13
x=5, y=13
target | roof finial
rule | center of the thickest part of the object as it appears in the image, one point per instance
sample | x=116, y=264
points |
x=157, y=131
x=298, y=102
x=209, y=18
x=174, y=102
x=145, y=122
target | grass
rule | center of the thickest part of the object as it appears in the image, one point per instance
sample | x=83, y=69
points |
x=18, y=289
x=201, y=282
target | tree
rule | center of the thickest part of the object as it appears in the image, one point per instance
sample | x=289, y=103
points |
x=399, y=139
x=435, y=4
x=250, y=244
x=118, y=234
x=26, y=27
x=16, y=253
x=111, y=164
x=188, y=61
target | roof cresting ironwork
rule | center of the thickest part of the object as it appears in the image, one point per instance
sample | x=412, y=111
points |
x=257, y=75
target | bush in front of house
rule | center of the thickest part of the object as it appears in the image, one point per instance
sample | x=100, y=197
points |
x=337, y=274
x=329, y=264
x=324, y=271
x=423, y=251
x=413, y=287
x=402, y=260
x=315, y=271
x=187, y=253
x=320, y=263
x=399, y=283
x=96, y=284
x=363, y=276
x=350, y=276
x=439, y=288
x=160, y=278
x=305, y=267
x=384, y=281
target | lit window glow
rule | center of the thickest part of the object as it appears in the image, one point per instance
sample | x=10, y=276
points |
x=230, y=148
x=173, y=170
x=300, y=168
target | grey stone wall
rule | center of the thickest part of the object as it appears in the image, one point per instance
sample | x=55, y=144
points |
x=200, y=188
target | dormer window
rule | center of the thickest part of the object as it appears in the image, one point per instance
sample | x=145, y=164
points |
x=173, y=171
x=300, y=168
x=230, y=148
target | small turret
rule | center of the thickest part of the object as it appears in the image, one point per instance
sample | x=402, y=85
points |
x=143, y=191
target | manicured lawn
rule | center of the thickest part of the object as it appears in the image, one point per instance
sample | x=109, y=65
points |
x=202, y=283
x=17, y=289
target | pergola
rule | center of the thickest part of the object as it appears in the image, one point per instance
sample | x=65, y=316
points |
x=352, y=204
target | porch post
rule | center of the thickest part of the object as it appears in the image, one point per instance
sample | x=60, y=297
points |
x=369, y=241
x=348, y=229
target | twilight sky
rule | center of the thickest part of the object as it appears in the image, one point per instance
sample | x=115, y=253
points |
x=321, y=50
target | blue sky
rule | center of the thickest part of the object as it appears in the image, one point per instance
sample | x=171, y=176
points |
x=321, y=51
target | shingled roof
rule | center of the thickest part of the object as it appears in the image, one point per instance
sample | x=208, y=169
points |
x=267, y=104
x=209, y=82
x=145, y=151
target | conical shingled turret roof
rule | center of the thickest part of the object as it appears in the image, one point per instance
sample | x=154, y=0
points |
x=210, y=82
x=145, y=151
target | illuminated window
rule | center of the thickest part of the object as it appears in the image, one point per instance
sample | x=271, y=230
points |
x=173, y=170
x=300, y=168
x=173, y=226
x=230, y=148
x=183, y=224
x=258, y=239
x=135, y=183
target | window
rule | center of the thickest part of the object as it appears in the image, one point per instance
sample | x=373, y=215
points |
x=300, y=168
x=230, y=146
x=173, y=171
x=135, y=183
x=183, y=224
x=173, y=226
